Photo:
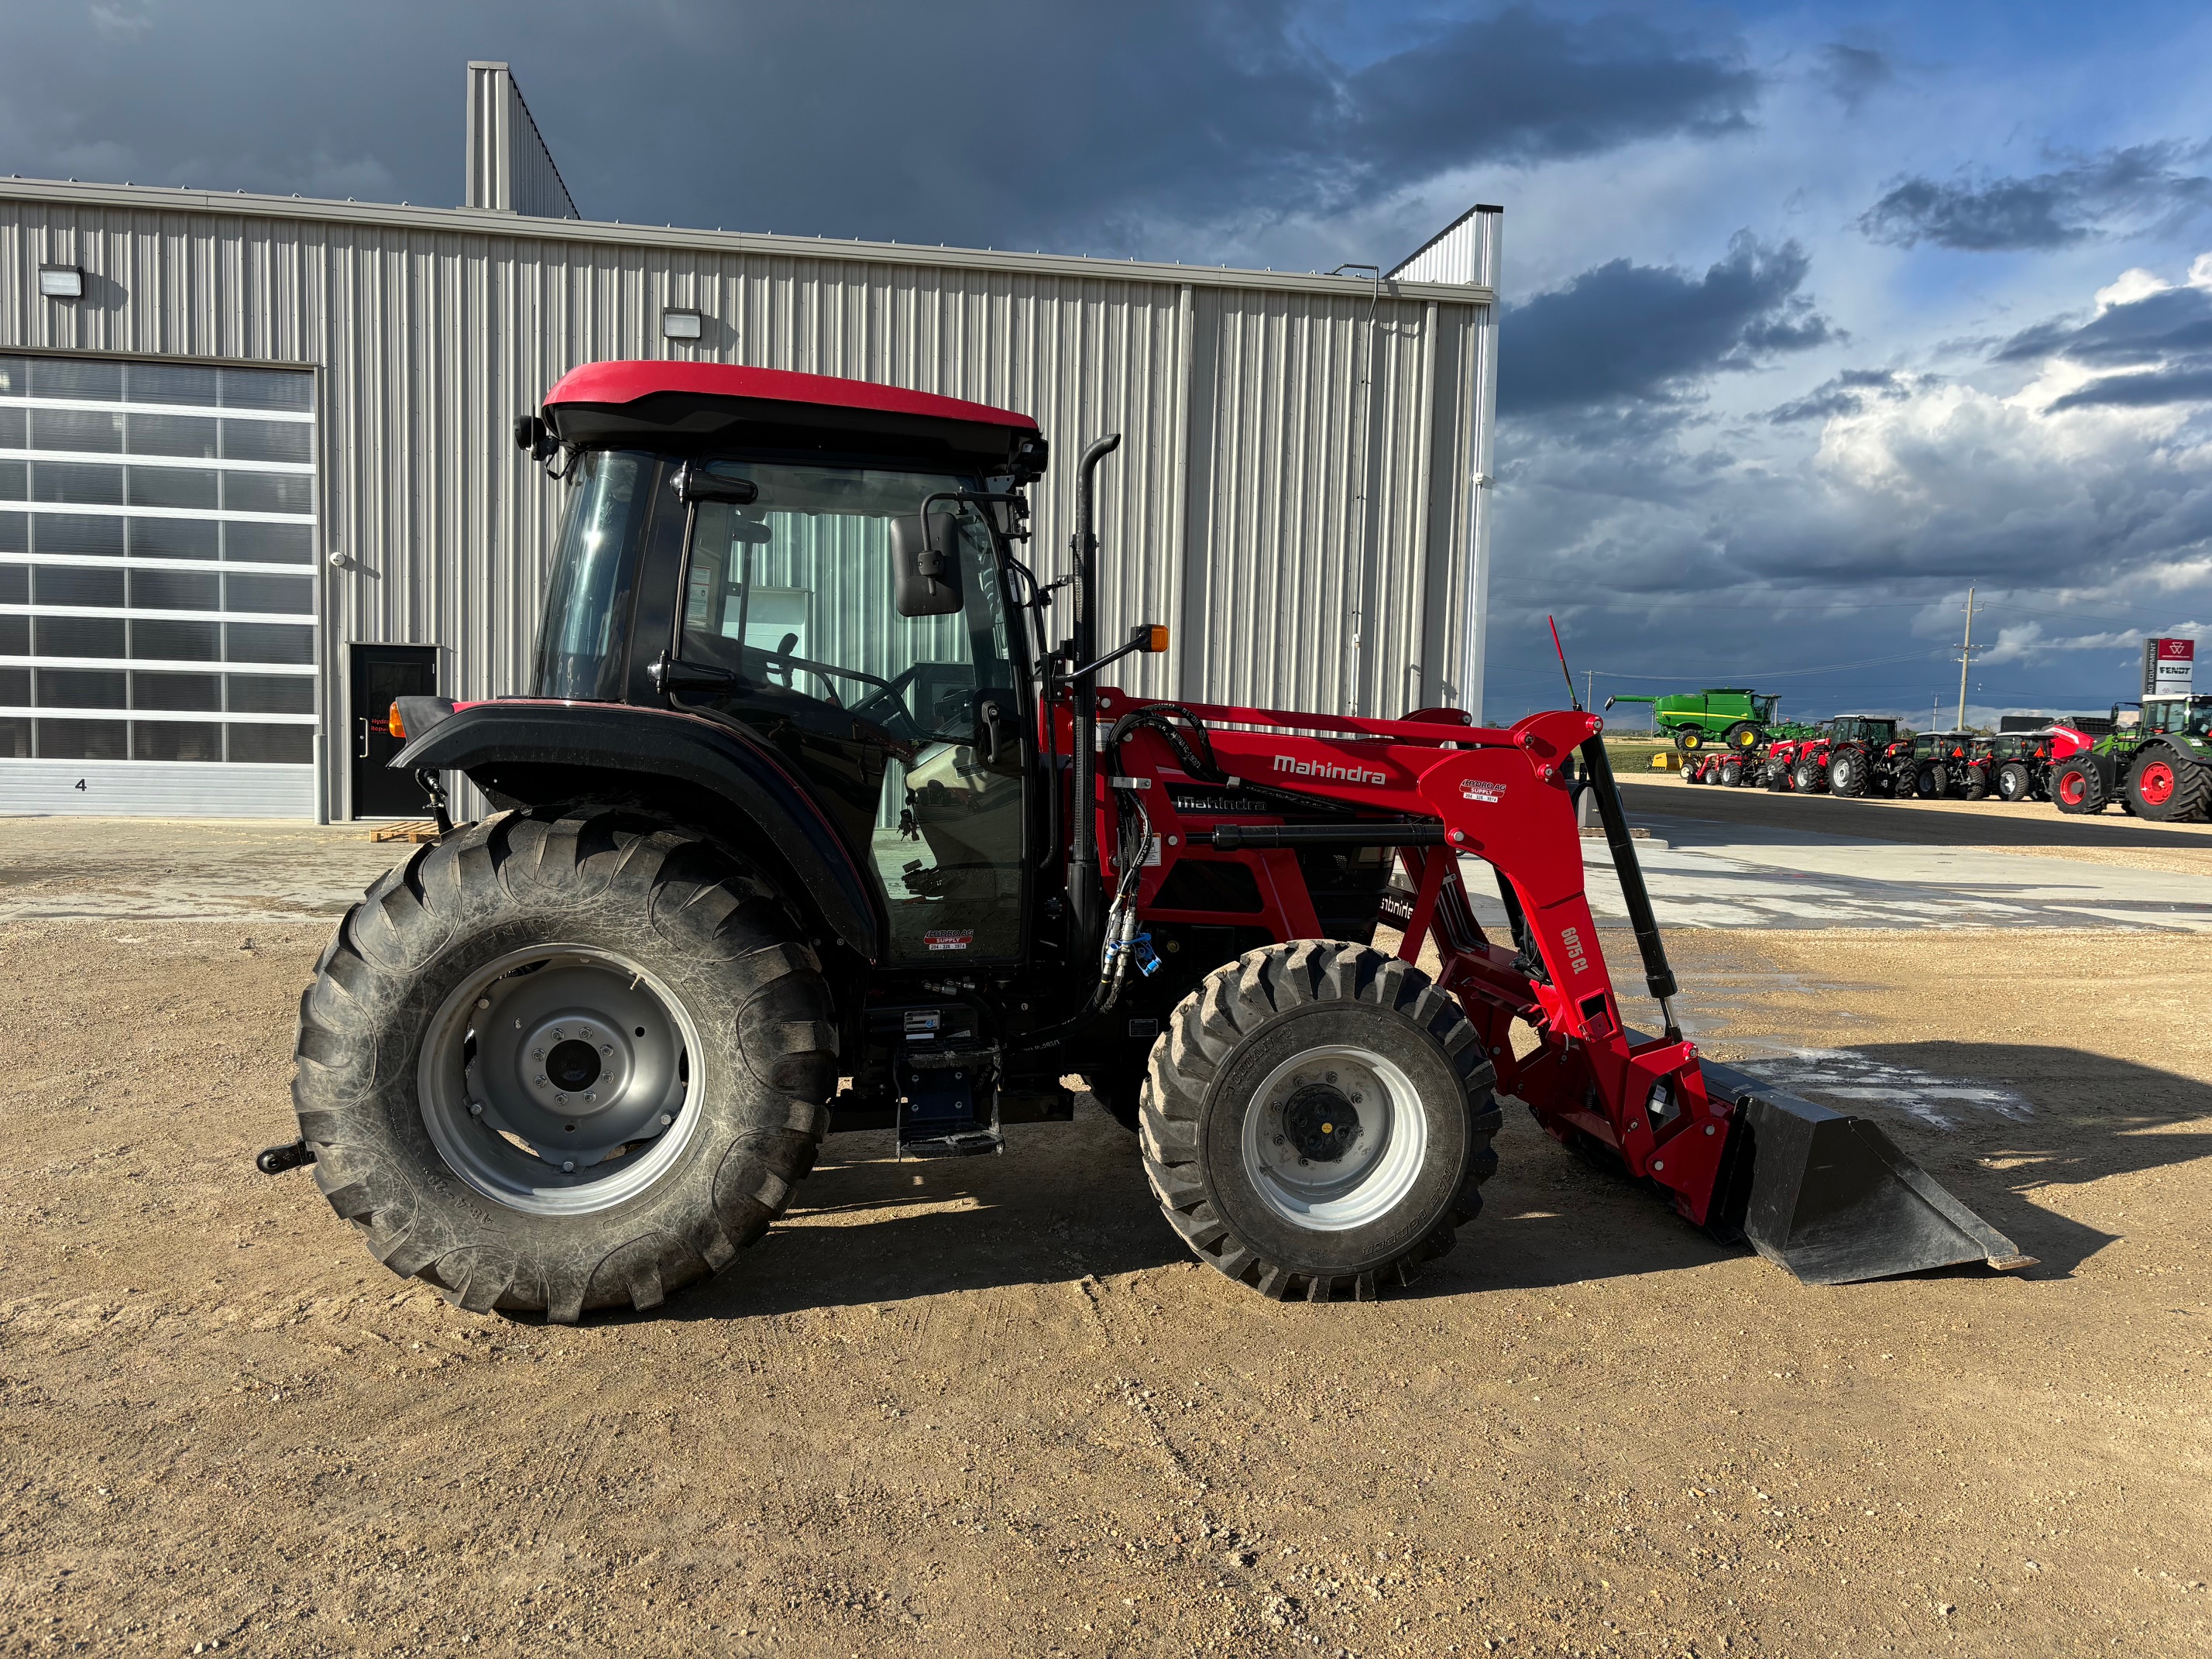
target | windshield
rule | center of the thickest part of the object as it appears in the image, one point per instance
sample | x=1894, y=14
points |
x=586, y=621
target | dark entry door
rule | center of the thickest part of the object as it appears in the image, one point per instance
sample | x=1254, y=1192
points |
x=381, y=673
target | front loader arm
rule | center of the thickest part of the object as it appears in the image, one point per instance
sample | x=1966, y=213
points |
x=1826, y=1195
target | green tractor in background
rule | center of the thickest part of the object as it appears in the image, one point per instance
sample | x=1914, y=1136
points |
x=1724, y=716
x=2158, y=767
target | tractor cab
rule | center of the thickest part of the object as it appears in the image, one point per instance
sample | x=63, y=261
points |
x=2181, y=717
x=731, y=549
x=1861, y=728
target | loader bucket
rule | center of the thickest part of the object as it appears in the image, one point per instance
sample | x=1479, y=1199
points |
x=1830, y=1197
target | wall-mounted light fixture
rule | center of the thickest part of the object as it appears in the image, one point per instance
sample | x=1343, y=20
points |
x=682, y=325
x=61, y=281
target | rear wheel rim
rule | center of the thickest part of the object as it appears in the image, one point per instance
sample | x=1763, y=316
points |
x=560, y=1080
x=1335, y=1139
x=2070, y=789
x=2157, y=786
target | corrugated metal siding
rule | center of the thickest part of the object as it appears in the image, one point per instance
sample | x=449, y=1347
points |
x=1464, y=252
x=1235, y=511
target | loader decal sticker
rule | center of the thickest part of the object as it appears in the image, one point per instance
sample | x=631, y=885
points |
x=1573, y=941
x=948, y=938
x=1326, y=770
x=1480, y=789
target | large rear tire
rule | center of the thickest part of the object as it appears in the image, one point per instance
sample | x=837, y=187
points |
x=2015, y=782
x=2167, y=787
x=1931, y=782
x=2077, y=788
x=1317, y=1119
x=662, y=1082
x=1847, y=775
x=1806, y=777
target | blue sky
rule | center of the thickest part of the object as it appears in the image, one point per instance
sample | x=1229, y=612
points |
x=1817, y=314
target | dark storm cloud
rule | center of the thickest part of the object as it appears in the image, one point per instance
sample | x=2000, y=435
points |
x=1626, y=332
x=2121, y=192
x=1129, y=128
x=2161, y=343
x=1845, y=394
x=1853, y=74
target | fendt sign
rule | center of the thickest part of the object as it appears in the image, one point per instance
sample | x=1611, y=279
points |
x=2169, y=667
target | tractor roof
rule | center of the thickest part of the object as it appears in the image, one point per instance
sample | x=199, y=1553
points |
x=720, y=406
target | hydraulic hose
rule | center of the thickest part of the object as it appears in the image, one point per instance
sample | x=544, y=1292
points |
x=1083, y=840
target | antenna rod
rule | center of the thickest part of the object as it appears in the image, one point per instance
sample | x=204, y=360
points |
x=1562, y=650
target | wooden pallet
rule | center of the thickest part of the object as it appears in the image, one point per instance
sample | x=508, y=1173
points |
x=417, y=830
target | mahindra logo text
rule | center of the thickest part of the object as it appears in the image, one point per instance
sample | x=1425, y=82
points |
x=1326, y=770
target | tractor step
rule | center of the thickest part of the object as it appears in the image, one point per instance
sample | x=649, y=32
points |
x=1831, y=1198
x=965, y=1143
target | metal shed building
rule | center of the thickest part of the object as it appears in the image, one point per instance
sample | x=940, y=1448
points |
x=247, y=441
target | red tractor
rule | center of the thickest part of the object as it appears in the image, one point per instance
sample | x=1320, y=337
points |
x=1850, y=755
x=809, y=820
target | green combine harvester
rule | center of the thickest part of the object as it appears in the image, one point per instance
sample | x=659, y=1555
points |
x=1726, y=715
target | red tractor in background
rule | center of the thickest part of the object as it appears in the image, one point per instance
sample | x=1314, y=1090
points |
x=809, y=820
x=1852, y=754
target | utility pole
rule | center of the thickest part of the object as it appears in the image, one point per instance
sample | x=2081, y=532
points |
x=1590, y=688
x=1966, y=656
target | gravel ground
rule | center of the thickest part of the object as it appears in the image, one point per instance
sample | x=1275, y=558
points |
x=992, y=1407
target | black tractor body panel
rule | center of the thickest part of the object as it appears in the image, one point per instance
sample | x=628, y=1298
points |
x=539, y=752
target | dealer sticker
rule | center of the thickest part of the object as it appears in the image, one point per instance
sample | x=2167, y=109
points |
x=1480, y=789
x=948, y=939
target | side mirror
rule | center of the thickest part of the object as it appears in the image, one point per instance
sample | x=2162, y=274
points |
x=926, y=565
x=695, y=484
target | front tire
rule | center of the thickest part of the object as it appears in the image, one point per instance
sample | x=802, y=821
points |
x=1317, y=1119
x=564, y=1060
x=1931, y=783
x=2077, y=788
x=2015, y=782
x=1806, y=777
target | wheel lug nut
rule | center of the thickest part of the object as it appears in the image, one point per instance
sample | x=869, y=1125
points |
x=568, y=1166
x=1331, y=1077
x=476, y=1108
x=483, y=1002
x=666, y=1119
x=541, y=1079
x=606, y=1048
x=589, y=1098
x=1279, y=1140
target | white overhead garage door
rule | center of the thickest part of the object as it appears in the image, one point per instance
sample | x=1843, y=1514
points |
x=157, y=588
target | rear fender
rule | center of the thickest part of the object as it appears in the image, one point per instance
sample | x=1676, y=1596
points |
x=543, y=753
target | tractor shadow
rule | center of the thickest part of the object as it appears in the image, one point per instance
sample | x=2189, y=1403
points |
x=1068, y=1201
x=1064, y=1202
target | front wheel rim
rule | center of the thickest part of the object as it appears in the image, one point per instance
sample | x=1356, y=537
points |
x=561, y=1079
x=1335, y=1138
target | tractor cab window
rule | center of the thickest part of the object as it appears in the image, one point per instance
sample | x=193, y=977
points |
x=583, y=639
x=892, y=719
x=2182, y=716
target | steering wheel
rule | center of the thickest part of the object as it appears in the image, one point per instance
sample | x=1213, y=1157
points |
x=887, y=708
